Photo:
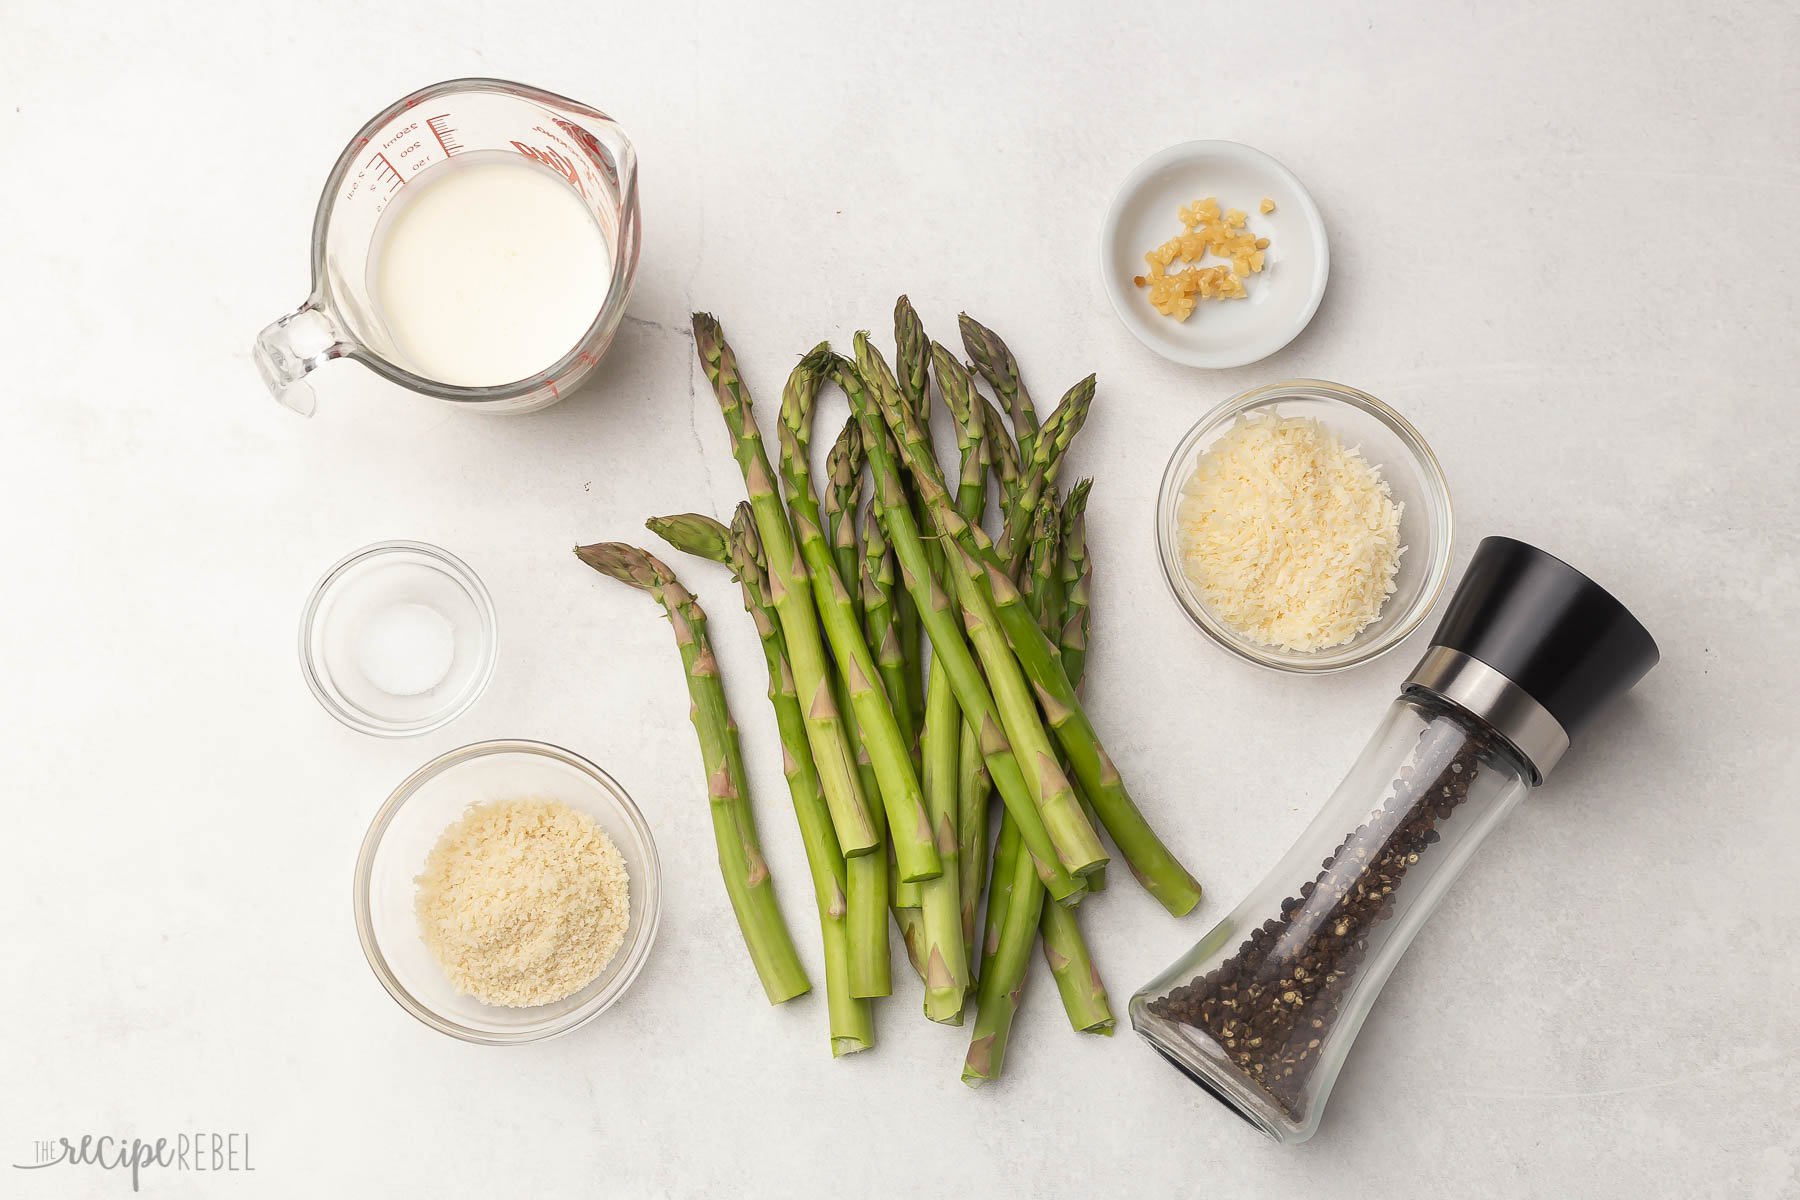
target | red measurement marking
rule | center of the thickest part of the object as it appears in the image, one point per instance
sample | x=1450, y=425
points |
x=595, y=151
x=555, y=160
x=445, y=134
x=386, y=170
x=554, y=394
x=587, y=359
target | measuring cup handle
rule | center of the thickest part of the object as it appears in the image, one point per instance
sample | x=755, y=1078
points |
x=294, y=347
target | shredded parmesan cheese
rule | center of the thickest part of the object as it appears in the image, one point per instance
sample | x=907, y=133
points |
x=523, y=902
x=1290, y=538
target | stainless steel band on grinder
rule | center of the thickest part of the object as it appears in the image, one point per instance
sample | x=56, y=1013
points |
x=1472, y=685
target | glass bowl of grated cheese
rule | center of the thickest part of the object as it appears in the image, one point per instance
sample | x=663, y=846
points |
x=1305, y=526
x=393, y=864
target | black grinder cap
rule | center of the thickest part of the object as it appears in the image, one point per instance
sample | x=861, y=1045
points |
x=1528, y=637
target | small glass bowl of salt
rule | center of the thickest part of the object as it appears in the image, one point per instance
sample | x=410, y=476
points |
x=398, y=638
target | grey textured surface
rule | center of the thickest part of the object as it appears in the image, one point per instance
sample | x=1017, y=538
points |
x=1563, y=246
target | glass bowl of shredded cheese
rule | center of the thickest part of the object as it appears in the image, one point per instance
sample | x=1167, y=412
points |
x=1305, y=526
x=507, y=892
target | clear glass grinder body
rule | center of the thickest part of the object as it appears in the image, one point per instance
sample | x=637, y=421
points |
x=1263, y=1010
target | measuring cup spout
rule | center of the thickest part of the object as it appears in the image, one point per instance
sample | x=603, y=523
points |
x=294, y=347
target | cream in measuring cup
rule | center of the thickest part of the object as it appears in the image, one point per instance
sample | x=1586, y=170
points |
x=476, y=243
x=486, y=267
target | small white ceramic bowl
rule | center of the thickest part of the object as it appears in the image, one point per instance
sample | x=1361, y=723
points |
x=1284, y=295
x=410, y=823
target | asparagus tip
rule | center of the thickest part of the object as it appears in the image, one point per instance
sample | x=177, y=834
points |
x=626, y=563
x=693, y=533
x=819, y=360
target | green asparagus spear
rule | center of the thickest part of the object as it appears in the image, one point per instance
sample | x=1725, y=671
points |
x=880, y=626
x=791, y=591
x=734, y=827
x=992, y=593
x=1042, y=583
x=973, y=791
x=973, y=787
x=909, y=335
x=870, y=880
x=1065, y=949
x=1077, y=847
x=1007, y=847
x=968, y=409
x=1072, y=966
x=841, y=499
x=1003, y=977
x=908, y=825
x=1073, y=637
x=878, y=620
x=945, y=949
x=909, y=625
x=869, y=877
x=1003, y=456
x=1043, y=588
x=916, y=671
x=1074, y=569
x=998, y=366
x=978, y=704
x=912, y=936
x=945, y=952
x=1051, y=445
x=912, y=358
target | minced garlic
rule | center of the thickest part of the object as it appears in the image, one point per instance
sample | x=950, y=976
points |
x=1289, y=537
x=1208, y=231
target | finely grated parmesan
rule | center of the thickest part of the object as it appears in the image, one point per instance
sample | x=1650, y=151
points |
x=523, y=902
x=1289, y=538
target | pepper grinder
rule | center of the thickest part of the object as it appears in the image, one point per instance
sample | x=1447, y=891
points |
x=1263, y=1010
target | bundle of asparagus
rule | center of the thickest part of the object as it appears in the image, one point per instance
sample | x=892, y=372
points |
x=893, y=755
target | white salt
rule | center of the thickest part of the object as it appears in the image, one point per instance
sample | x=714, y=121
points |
x=406, y=649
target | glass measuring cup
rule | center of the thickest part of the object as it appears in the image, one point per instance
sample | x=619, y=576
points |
x=582, y=146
